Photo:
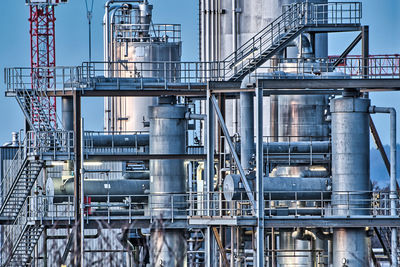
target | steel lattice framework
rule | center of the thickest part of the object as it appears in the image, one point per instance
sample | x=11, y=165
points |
x=42, y=32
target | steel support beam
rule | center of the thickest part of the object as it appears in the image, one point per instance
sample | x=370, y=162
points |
x=348, y=50
x=221, y=247
x=365, y=51
x=366, y=84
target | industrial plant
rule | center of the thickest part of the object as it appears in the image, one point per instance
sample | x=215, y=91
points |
x=257, y=154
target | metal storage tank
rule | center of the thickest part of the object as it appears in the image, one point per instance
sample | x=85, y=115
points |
x=132, y=37
x=167, y=177
x=350, y=177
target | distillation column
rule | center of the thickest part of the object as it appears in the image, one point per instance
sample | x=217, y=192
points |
x=350, y=177
x=167, y=179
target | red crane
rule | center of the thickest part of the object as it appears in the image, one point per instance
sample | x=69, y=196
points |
x=43, y=56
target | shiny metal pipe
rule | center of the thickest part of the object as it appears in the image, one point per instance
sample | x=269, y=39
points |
x=297, y=147
x=282, y=188
x=67, y=113
x=393, y=174
x=118, y=140
x=247, y=147
x=99, y=190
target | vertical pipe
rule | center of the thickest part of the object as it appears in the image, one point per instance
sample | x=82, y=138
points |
x=209, y=168
x=82, y=195
x=259, y=172
x=45, y=247
x=247, y=148
x=274, y=128
x=393, y=175
x=234, y=27
x=77, y=168
x=67, y=113
x=393, y=183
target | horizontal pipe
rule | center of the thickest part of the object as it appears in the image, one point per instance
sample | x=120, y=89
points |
x=98, y=190
x=297, y=147
x=137, y=175
x=191, y=116
x=282, y=188
x=117, y=140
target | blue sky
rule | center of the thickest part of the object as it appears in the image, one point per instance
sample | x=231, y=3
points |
x=71, y=46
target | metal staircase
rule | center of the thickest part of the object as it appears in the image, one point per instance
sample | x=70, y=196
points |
x=35, y=105
x=20, y=188
x=267, y=42
x=295, y=19
x=22, y=236
x=20, y=239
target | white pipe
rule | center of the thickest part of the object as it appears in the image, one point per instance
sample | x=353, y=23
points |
x=393, y=175
x=234, y=26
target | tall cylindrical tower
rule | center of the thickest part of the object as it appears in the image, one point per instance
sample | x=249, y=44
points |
x=350, y=177
x=167, y=181
x=137, y=48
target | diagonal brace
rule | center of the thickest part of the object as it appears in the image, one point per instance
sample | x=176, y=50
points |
x=221, y=247
x=234, y=154
x=348, y=50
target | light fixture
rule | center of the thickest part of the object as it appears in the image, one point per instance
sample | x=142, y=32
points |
x=57, y=163
x=92, y=163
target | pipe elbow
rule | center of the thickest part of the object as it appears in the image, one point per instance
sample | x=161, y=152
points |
x=302, y=234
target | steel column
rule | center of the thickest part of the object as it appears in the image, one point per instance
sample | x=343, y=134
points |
x=77, y=175
x=209, y=170
x=259, y=178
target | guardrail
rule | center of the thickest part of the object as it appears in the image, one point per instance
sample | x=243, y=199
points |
x=334, y=13
x=50, y=143
x=157, y=33
x=89, y=75
x=345, y=204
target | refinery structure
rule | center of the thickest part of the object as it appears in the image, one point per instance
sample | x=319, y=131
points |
x=258, y=154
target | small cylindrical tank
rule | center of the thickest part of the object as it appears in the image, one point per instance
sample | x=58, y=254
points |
x=350, y=177
x=167, y=180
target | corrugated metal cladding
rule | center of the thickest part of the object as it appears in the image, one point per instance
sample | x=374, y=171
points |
x=7, y=154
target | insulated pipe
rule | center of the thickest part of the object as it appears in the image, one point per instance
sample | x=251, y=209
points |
x=393, y=174
x=68, y=113
x=282, y=188
x=303, y=234
x=234, y=26
x=137, y=175
x=118, y=140
x=247, y=147
x=191, y=116
x=274, y=128
x=99, y=190
x=297, y=147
